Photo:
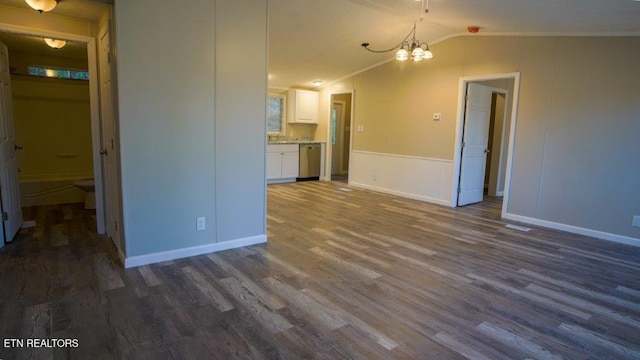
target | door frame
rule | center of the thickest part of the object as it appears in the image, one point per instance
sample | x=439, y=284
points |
x=328, y=150
x=341, y=129
x=503, y=133
x=462, y=90
x=94, y=104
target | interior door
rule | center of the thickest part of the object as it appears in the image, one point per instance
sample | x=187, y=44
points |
x=9, y=185
x=109, y=152
x=474, y=144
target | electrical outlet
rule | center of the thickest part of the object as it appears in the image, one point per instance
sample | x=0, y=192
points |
x=200, y=224
x=437, y=116
x=636, y=221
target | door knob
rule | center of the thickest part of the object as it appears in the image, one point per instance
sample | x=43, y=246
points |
x=17, y=147
x=103, y=151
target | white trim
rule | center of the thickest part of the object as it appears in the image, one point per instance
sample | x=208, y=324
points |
x=455, y=178
x=191, y=251
x=400, y=193
x=96, y=131
x=574, y=229
x=402, y=156
x=328, y=149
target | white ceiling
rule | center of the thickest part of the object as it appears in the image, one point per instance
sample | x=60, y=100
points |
x=311, y=39
x=320, y=39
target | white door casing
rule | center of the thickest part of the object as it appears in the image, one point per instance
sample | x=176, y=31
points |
x=9, y=184
x=474, y=144
x=109, y=139
x=337, y=130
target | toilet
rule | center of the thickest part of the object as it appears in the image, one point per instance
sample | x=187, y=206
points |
x=88, y=186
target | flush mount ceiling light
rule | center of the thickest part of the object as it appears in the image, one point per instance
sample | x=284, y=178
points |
x=54, y=43
x=409, y=48
x=317, y=82
x=42, y=5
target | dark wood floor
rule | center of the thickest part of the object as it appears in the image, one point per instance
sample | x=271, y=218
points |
x=346, y=274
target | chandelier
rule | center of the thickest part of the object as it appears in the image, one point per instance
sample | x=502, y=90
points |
x=407, y=49
x=410, y=47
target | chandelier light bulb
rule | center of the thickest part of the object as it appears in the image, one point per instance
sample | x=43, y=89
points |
x=42, y=5
x=417, y=52
x=402, y=55
x=427, y=54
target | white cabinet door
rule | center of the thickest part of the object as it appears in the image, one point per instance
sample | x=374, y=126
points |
x=274, y=165
x=307, y=107
x=302, y=106
x=290, y=165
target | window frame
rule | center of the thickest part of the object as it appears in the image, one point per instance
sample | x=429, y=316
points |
x=57, y=69
x=283, y=119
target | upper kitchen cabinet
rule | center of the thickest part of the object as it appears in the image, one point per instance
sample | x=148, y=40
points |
x=302, y=106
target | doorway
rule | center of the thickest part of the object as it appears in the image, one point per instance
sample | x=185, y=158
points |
x=340, y=136
x=96, y=143
x=484, y=138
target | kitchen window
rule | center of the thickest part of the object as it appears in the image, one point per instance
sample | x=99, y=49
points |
x=276, y=107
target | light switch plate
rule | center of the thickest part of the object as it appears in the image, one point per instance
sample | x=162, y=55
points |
x=437, y=116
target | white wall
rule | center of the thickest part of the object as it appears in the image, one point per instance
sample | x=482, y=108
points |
x=182, y=156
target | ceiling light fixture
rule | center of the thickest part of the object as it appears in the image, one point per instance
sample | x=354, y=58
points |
x=317, y=82
x=407, y=49
x=42, y=5
x=413, y=49
x=54, y=43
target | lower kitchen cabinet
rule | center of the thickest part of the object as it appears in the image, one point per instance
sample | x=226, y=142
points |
x=282, y=163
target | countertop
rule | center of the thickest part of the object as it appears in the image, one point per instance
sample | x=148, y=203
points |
x=295, y=142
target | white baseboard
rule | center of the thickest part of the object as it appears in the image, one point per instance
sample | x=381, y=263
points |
x=574, y=229
x=400, y=193
x=134, y=261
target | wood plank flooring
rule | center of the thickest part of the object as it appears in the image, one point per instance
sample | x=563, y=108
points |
x=346, y=274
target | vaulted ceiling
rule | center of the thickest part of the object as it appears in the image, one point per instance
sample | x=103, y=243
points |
x=320, y=39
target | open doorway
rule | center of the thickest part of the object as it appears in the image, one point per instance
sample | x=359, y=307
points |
x=94, y=140
x=340, y=135
x=484, y=138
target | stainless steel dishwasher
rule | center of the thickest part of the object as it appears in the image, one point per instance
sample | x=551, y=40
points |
x=309, y=162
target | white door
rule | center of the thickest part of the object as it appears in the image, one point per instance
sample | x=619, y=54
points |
x=474, y=144
x=109, y=143
x=9, y=186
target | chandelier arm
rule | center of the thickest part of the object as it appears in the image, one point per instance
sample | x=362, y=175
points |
x=412, y=32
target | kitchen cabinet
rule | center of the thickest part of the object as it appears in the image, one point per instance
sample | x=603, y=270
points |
x=282, y=163
x=302, y=106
